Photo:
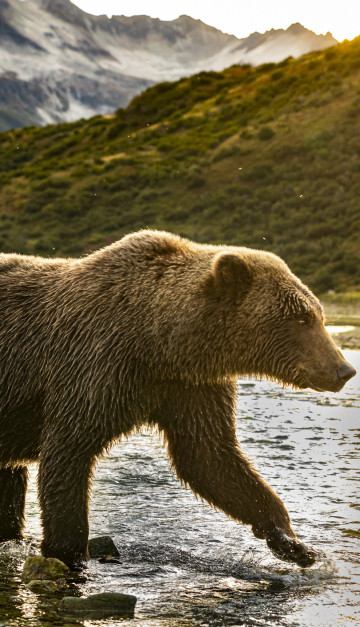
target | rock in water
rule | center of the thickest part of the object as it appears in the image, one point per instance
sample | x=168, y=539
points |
x=37, y=567
x=103, y=546
x=99, y=605
x=46, y=586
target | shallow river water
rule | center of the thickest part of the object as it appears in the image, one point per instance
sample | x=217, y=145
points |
x=189, y=564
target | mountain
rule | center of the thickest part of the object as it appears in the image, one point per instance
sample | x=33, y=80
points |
x=266, y=157
x=58, y=63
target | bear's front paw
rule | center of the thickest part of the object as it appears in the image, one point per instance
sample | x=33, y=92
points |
x=290, y=549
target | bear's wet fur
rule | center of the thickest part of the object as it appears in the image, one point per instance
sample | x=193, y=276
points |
x=153, y=329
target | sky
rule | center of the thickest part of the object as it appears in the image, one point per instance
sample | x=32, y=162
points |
x=240, y=18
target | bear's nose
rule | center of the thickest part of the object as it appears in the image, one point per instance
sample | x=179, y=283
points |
x=345, y=372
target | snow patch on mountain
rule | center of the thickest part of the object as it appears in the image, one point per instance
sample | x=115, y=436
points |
x=58, y=63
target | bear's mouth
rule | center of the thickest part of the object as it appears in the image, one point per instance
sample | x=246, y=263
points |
x=312, y=386
x=319, y=384
x=316, y=388
x=307, y=384
x=331, y=387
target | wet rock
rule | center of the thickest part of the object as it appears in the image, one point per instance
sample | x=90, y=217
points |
x=46, y=585
x=99, y=605
x=109, y=560
x=38, y=568
x=103, y=546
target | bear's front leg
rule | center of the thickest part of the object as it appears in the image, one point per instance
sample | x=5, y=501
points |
x=13, y=484
x=199, y=425
x=63, y=483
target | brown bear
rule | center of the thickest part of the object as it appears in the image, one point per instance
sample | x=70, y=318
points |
x=153, y=329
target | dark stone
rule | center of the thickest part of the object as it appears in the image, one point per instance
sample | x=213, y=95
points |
x=103, y=546
x=44, y=586
x=99, y=605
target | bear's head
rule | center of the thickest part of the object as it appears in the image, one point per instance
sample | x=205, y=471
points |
x=276, y=323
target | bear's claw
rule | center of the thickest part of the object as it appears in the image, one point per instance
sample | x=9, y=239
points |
x=290, y=549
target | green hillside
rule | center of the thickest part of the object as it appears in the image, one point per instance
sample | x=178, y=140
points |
x=267, y=157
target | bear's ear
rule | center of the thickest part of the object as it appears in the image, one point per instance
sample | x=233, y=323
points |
x=231, y=272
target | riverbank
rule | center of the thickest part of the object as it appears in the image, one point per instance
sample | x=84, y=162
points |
x=344, y=310
x=349, y=340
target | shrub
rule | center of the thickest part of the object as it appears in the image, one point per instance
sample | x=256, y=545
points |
x=265, y=133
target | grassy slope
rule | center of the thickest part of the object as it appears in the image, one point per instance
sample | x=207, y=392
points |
x=266, y=157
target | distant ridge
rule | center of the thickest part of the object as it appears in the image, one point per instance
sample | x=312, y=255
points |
x=58, y=63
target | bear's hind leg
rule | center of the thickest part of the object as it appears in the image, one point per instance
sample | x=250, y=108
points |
x=13, y=484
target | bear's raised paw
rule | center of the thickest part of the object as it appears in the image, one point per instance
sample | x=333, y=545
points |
x=290, y=549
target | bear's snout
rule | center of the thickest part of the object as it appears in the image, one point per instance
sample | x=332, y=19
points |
x=324, y=367
x=345, y=372
x=332, y=380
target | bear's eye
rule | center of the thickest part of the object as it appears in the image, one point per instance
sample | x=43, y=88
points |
x=303, y=319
